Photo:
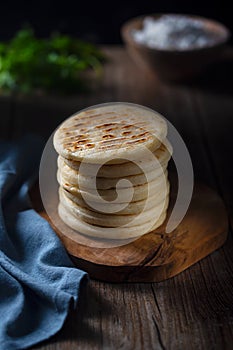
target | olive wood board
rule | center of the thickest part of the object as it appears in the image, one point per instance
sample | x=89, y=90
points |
x=155, y=256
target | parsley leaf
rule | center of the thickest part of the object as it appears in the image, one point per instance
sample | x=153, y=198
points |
x=55, y=64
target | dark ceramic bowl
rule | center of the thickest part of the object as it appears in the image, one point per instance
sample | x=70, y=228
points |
x=175, y=65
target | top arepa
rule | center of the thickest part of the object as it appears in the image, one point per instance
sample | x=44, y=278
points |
x=110, y=132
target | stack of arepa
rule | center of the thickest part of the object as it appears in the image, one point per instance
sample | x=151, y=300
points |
x=112, y=171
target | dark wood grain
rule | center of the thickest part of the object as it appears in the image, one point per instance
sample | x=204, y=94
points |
x=193, y=310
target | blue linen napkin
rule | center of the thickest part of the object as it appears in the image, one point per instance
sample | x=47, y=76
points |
x=38, y=282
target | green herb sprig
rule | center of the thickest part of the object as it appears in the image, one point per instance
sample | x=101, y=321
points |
x=54, y=64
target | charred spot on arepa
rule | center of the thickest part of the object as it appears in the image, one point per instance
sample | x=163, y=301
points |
x=126, y=133
x=108, y=136
x=107, y=131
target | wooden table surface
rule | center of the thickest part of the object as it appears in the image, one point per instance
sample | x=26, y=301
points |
x=193, y=310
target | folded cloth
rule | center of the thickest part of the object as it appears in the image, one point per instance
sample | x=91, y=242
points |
x=38, y=282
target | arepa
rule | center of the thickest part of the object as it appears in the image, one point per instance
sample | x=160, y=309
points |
x=128, y=168
x=122, y=232
x=90, y=182
x=134, y=207
x=108, y=220
x=110, y=133
x=112, y=171
x=119, y=195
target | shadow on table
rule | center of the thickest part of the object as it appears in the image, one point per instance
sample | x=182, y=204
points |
x=82, y=326
x=216, y=78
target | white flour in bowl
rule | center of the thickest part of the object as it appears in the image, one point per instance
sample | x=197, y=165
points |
x=174, y=32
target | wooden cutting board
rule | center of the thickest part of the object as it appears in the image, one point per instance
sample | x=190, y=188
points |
x=155, y=256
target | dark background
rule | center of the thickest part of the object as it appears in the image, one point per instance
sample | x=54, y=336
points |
x=98, y=21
